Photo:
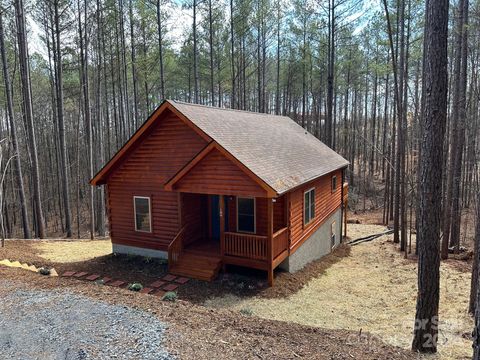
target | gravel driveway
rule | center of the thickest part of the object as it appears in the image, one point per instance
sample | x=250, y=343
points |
x=60, y=325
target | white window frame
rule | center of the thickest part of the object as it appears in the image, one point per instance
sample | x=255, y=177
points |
x=305, y=223
x=149, y=213
x=254, y=214
x=336, y=183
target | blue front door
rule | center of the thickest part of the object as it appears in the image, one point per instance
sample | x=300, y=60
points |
x=215, y=215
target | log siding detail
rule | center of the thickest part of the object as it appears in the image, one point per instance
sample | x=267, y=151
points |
x=169, y=146
x=326, y=203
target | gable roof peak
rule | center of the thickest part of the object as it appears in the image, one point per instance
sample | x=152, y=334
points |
x=178, y=102
x=277, y=150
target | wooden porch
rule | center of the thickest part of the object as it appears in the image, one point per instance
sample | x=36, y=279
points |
x=197, y=252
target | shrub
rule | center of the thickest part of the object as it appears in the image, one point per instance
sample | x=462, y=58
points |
x=246, y=311
x=135, y=287
x=44, y=271
x=170, y=296
x=131, y=257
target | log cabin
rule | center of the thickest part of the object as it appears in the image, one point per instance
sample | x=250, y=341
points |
x=206, y=187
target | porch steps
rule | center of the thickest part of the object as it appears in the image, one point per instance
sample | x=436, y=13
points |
x=197, y=266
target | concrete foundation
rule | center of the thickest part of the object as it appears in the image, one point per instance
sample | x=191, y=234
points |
x=133, y=250
x=317, y=245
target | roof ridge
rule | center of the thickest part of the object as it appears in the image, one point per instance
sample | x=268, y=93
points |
x=227, y=109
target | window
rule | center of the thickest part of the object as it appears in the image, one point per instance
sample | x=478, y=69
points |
x=246, y=215
x=333, y=234
x=334, y=183
x=308, y=206
x=143, y=215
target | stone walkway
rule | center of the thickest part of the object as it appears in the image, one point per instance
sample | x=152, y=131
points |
x=159, y=287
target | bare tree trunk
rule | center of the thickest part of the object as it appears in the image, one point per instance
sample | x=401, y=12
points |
x=123, y=71
x=403, y=154
x=462, y=113
x=400, y=141
x=28, y=113
x=101, y=68
x=88, y=120
x=330, y=69
x=277, y=84
x=384, y=138
x=475, y=289
x=13, y=134
x=160, y=50
x=61, y=124
x=210, y=37
x=134, y=68
x=374, y=120
x=454, y=138
x=232, y=49
x=395, y=193
x=431, y=169
x=304, y=85
x=195, y=55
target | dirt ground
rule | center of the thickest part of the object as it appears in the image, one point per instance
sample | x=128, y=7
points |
x=95, y=257
x=374, y=290
x=73, y=251
x=355, y=291
x=375, y=217
x=195, y=332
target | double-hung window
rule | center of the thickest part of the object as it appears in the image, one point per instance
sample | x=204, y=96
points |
x=334, y=183
x=143, y=213
x=246, y=215
x=308, y=206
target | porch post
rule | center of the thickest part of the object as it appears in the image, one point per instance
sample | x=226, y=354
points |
x=270, y=240
x=221, y=205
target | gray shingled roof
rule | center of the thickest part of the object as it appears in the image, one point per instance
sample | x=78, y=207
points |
x=275, y=148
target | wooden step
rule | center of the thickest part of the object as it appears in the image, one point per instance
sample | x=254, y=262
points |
x=197, y=266
x=200, y=257
x=194, y=273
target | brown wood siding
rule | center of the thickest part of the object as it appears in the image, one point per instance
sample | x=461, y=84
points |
x=279, y=220
x=326, y=202
x=215, y=174
x=169, y=146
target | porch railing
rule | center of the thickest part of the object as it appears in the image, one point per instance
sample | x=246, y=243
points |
x=176, y=247
x=246, y=246
x=280, y=241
